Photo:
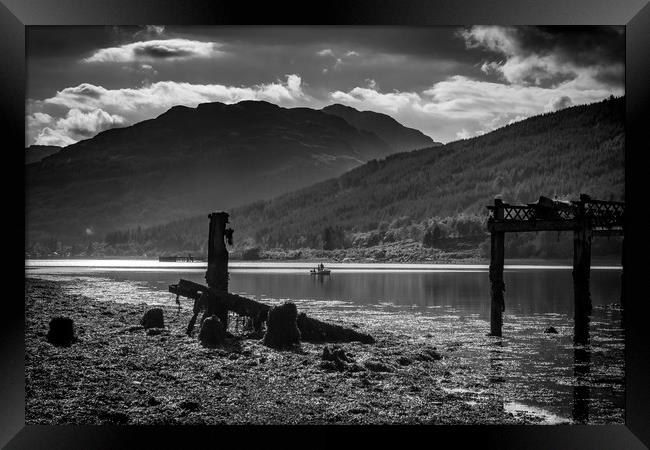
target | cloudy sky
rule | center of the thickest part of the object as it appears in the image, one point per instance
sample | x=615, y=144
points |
x=448, y=82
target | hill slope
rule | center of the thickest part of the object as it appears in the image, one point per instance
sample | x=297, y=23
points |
x=35, y=153
x=409, y=195
x=387, y=128
x=187, y=161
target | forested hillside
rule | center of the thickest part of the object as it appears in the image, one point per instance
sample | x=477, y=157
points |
x=190, y=160
x=431, y=198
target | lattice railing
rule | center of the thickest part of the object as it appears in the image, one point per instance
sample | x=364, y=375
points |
x=602, y=214
x=514, y=212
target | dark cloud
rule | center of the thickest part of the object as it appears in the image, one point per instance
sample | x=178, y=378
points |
x=445, y=81
x=161, y=52
x=551, y=56
x=582, y=45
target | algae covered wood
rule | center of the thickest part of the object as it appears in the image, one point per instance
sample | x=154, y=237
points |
x=311, y=330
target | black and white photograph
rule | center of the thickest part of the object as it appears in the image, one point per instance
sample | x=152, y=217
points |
x=332, y=224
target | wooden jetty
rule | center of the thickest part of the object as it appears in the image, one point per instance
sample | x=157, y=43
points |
x=586, y=218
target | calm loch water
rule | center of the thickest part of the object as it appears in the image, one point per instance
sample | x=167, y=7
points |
x=539, y=375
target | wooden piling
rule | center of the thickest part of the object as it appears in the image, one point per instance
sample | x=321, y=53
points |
x=581, y=267
x=586, y=218
x=217, y=273
x=497, y=254
x=622, y=300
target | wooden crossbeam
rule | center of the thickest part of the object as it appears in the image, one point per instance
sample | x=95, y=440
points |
x=552, y=215
x=515, y=226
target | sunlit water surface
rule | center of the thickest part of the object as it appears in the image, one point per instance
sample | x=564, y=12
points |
x=538, y=375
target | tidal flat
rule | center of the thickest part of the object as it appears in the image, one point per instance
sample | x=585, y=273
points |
x=119, y=373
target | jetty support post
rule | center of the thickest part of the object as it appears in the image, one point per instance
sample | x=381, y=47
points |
x=217, y=274
x=497, y=286
x=581, y=267
x=622, y=300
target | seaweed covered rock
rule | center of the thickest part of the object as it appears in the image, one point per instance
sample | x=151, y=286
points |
x=212, y=332
x=312, y=330
x=337, y=356
x=153, y=318
x=377, y=366
x=428, y=354
x=61, y=332
x=281, y=327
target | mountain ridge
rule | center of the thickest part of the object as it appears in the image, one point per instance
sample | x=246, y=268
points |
x=36, y=153
x=384, y=126
x=436, y=193
x=187, y=160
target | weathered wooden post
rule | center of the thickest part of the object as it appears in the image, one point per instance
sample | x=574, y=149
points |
x=497, y=286
x=217, y=274
x=622, y=301
x=581, y=267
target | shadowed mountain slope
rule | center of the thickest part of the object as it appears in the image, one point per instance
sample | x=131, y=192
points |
x=387, y=128
x=188, y=161
x=564, y=153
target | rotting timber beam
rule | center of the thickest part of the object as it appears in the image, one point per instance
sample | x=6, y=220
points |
x=311, y=330
x=242, y=306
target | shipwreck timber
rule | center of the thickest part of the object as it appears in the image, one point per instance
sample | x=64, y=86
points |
x=214, y=299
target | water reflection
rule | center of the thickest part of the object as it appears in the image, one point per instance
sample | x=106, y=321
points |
x=535, y=373
x=496, y=362
x=581, y=390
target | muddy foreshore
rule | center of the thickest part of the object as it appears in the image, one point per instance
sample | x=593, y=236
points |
x=119, y=373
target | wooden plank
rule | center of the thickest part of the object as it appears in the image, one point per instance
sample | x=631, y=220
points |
x=532, y=225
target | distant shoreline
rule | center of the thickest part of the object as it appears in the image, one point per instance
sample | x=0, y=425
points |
x=596, y=262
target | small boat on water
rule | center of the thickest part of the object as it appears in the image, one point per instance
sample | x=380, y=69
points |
x=320, y=272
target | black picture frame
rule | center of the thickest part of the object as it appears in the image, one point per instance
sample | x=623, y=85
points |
x=15, y=15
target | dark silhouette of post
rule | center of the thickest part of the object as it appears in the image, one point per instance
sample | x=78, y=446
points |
x=581, y=267
x=497, y=285
x=622, y=300
x=217, y=274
